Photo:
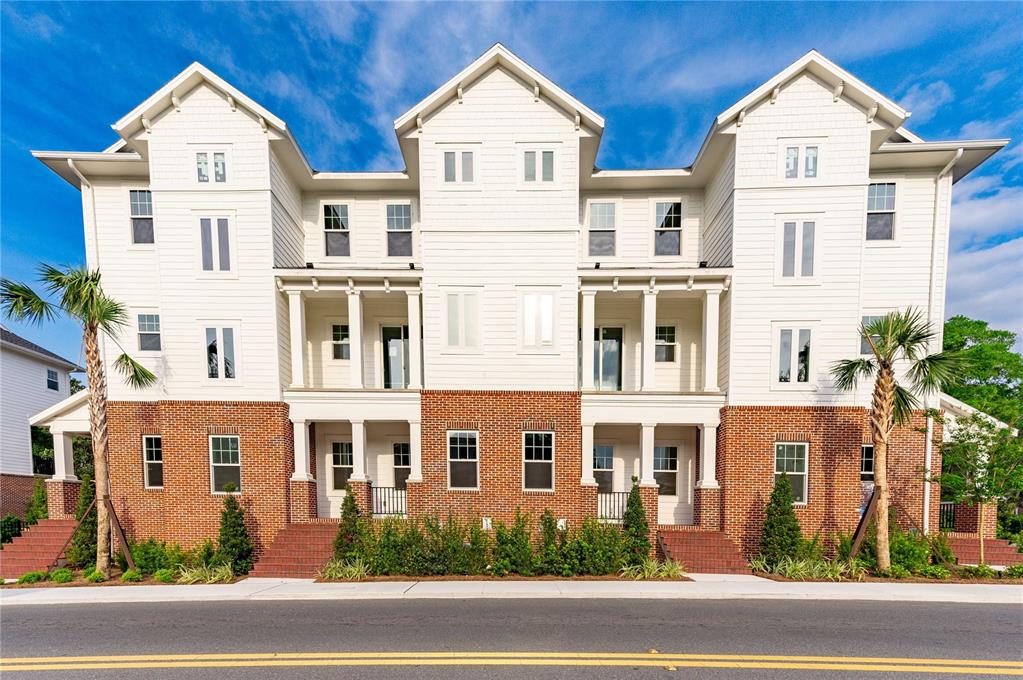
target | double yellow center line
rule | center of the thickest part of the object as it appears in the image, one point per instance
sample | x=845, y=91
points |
x=509, y=658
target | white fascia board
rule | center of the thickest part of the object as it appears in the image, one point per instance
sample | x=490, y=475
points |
x=43, y=418
x=961, y=408
x=951, y=145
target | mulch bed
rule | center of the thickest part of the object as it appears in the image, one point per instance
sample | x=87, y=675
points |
x=911, y=579
x=515, y=577
x=114, y=580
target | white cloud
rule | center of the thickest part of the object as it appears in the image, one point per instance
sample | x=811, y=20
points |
x=986, y=129
x=924, y=101
x=988, y=284
x=38, y=25
x=985, y=211
x=1012, y=156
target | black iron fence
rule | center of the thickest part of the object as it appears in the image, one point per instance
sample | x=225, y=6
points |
x=611, y=506
x=388, y=500
x=947, y=516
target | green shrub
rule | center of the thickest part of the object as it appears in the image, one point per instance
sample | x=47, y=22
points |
x=164, y=576
x=513, y=553
x=350, y=532
x=941, y=549
x=548, y=554
x=345, y=570
x=62, y=575
x=33, y=577
x=10, y=527
x=596, y=549
x=909, y=550
x=202, y=555
x=781, y=536
x=37, y=508
x=93, y=576
x=151, y=555
x=82, y=550
x=811, y=568
x=217, y=573
x=234, y=547
x=936, y=571
x=651, y=569
x=131, y=576
x=635, y=526
x=977, y=571
x=812, y=549
x=897, y=571
x=476, y=559
x=1013, y=571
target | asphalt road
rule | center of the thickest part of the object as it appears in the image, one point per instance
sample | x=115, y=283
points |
x=457, y=635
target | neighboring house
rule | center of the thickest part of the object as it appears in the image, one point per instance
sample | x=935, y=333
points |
x=502, y=325
x=32, y=378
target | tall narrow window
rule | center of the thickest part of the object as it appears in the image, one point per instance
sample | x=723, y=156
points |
x=602, y=229
x=801, y=159
x=664, y=344
x=881, y=212
x=220, y=356
x=340, y=464
x=797, y=249
x=449, y=166
x=202, y=166
x=867, y=463
x=336, y=236
x=402, y=463
x=463, y=319
x=467, y=166
x=864, y=344
x=341, y=347
x=463, y=459
x=219, y=167
x=529, y=166
x=152, y=455
x=52, y=380
x=547, y=164
x=603, y=467
x=538, y=320
x=141, y=203
x=225, y=463
x=149, y=332
x=215, y=240
x=794, y=355
x=791, y=162
x=810, y=163
x=538, y=460
x=790, y=459
x=668, y=228
x=399, y=230
x=666, y=470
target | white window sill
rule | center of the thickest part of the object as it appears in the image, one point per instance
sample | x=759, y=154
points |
x=788, y=387
x=796, y=282
x=548, y=492
x=878, y=243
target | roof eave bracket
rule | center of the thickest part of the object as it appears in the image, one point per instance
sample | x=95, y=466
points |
x=774, y=94
x=837, y=92
x=872, y=111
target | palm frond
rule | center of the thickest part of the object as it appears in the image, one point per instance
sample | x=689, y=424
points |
x=903, y=405
x=935, y=372
x=77, y=287
x=20, y=302
x=109, y=314
x=135, y=374
x=912, y=333
x=847, y=372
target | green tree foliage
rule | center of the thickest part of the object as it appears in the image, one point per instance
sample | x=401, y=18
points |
x=993, y=381
x=10, y=528
x=42, y=451
x=234, y=547
x=37, y=509
x=781, y=536
x=348, y=541
x=82, y=550
x=637, y=531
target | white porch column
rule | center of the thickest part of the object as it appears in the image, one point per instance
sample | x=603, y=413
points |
x=587, y=453
x=358, y=451
x=646, y=465
x=301, y=438
x=296, y=317
x=649, y=327
x=355, y=337
x=415, y=341
x=589, y=298
x=415, y=435
x=711, y=312
x=63, y=457
x=708, y=457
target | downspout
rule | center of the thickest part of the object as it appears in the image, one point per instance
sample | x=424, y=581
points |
x=929, y=443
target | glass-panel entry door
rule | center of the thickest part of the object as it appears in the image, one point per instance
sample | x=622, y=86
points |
x=395, y=344
x=607, y=358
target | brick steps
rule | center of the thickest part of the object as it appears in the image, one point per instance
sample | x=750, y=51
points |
x=997, y=551
x=298, y=551
x=37, y=547
x=706, y=552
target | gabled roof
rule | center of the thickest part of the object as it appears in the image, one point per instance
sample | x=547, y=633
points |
x=16, y=342
x=498, y=55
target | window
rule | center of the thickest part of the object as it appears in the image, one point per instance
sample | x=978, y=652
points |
x=220, y=355
x=794, y=352
x=608, y=346
x=149, y=332
x=668, y=229
x=336, y=237
x=463, y=318
x=463, y=459
x=402, y=463
x=219, y=167
x=881, y=212
x=867, y=463
x=790, y=459
x=810, y=154
x=141, y=202
x=538, y=321
x=340, y=464
x=459, y=167
x=664, y=344
x=399, y=230
x=602, y=229
x=226, y=463
x=215, y=239
x=545, y=172
x=810, y=164
x=797, y=248
x=202, y=166
x=52, y=380
x=864, y=345
x=538, y=460
x=340, y=342
x=666, y=470
x=152, y=455
x=603, y=467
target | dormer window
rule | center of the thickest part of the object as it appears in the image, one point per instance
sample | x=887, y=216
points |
x=801, y=159
x=202, y=166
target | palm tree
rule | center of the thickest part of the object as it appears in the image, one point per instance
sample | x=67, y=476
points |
x=894, y=338
x=81, y=297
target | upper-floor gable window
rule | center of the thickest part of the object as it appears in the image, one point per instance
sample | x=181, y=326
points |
x=221, y=363
x=149, y=332
x=215, y=243
x=797, y=248
x=668, y=228
x=538, y=166
x=52, y=380
x=802, y=160
x=793, y=352
x=336, y=236
x=141, y=205
x=881, y=212
x=399, y=230
x=602, y=228
x=463, y=320
x=202, y=166
x=459, y=167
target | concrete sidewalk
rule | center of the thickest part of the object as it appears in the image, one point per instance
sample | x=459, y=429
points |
x=702, y=587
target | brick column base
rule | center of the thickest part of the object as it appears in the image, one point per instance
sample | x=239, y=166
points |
x=707, y=509
x=648, y=494
x=62, y=498
x=968, y=518
x=415, y=500
x=303, y=500
x=363, y=499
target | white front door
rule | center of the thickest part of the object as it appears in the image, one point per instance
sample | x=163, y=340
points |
x=673, y=470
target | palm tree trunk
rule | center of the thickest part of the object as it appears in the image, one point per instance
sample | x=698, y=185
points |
x=980, y=529
x=881, y=409
x=98, y=426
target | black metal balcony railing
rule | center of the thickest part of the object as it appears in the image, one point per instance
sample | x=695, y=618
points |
x=611, y=506
x=388, y=500
x=947, y=516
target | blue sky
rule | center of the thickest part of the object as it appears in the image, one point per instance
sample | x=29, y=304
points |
x=340, y=73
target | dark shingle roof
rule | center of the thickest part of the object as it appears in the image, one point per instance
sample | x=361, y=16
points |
x=18, y=341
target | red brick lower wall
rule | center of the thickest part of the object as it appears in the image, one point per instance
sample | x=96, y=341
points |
x=968, y=518
x=745, y=468
x=15, y=492
x=185, y=510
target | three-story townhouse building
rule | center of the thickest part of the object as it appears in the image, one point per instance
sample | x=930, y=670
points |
x=502, y=325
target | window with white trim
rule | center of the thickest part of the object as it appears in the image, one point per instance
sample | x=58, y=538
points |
x=537, y=320
x=664, y=344
x=463, y=320
x=867, y=463
x=797, y=248
x=399, y=230
x=790, y=460
x=668, y=228
x=864, y=344
x=881, y=212
x=336, y=236
x=538, y=166
x=141, y=208
x=149, y=332
x=793, y=356
x=538, y=461
x=215, y=244
x=463, y=459
x=603, y=467
x=340, y=342
x=52, y=380
x=802, y=160
x=202, y=166
x=459, y=166
x=152, y=458
x=602, y=228
x=341, y=464
x=221, y=363
x=402, y=452
x=666, y=470
x=225, y=463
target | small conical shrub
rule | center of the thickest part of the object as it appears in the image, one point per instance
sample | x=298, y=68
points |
x=37, y=509
x=781, y=536
x=234, y=547
x=348, y=541
x=634, y=523
x=82, y=550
